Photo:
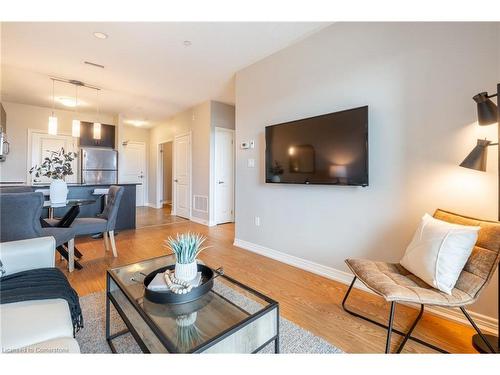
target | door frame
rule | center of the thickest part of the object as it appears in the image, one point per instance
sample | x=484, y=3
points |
x=214, y=176
x=159, y=174
x=29, y=158
x=174, y=172
x=145, y=192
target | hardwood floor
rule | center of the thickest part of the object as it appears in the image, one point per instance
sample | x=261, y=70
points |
x=147, y=216
x=311, y=301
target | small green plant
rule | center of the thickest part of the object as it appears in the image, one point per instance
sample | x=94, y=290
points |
x=276, y=169
x=186, y=246
x=56, y=166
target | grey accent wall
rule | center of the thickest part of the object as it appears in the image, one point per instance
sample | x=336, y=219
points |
x=201, y=155
x=418, y=80
x=222, y=115
x=167, y=172
x=200, y=120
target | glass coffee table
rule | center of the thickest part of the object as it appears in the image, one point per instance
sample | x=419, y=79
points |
x=231, y=318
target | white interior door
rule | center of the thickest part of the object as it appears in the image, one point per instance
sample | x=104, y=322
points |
x=182, y=175
x=41, y=146
x=132, y=168
x=224, y=175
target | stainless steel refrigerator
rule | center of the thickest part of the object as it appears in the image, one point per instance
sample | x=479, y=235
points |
x=98, y=166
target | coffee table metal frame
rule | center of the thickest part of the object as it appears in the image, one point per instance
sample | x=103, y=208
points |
x=272, y=304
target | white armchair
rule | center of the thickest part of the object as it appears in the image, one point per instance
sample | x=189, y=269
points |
x=41, y=326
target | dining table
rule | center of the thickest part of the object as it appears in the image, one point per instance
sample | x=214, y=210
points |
x=69, y=217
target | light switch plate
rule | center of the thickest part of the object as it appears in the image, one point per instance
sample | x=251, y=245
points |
x=251, y=163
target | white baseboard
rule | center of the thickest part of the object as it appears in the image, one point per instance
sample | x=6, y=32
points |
x=202, y=221
x=486, y=323
x=319, y=269
x=152, y=205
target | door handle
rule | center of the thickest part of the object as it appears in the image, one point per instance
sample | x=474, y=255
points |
x=176, y=180
x=220, y=182
x=141, y=176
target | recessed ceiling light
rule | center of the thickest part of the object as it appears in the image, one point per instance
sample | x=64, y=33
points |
x=187, y=43
x=66, y=101
x=100, y=35
x=138, y=123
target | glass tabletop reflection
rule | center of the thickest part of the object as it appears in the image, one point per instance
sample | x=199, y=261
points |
x=69, y=203
x=193, y=324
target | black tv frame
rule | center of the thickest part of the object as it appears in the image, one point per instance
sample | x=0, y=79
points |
x=268, y=181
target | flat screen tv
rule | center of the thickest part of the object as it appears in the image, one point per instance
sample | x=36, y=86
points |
x=330, y=149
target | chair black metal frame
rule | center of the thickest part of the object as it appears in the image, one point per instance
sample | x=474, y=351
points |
x=407, y=336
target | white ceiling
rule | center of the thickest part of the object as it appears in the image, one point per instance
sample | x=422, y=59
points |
x=149, y=73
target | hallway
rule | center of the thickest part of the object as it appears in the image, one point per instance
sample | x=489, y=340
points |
x=147, y=216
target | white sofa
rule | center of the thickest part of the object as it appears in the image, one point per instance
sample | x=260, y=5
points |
x=41, y=326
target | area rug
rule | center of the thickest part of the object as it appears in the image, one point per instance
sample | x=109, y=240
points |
x=293, y=339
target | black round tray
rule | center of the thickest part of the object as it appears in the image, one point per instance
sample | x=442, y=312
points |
x=207, y=282
x=178, y=309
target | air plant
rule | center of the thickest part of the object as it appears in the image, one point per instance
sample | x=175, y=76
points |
x=186, y=246
x=188, y=334
x=56, y=166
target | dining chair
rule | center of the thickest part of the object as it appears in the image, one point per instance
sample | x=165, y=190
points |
x=397, y=285
x=105, y=222
x=20, y=219
x=15, y=189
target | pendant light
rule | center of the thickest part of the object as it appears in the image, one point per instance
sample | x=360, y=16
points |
x=97, y=125
x=75, y=126
x=53, y=119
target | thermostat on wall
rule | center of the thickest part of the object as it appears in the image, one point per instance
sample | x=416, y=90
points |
x=247, y=144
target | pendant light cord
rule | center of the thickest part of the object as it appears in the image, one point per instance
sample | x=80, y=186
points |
x=76, y=99
x=97, y=95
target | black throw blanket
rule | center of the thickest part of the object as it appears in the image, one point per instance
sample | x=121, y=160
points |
x=41, y=283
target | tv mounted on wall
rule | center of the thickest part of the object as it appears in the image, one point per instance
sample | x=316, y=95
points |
x=330, y=149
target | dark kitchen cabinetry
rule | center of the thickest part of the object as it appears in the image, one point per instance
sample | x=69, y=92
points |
x=87, y=135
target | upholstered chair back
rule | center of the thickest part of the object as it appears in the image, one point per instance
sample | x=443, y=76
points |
x=20, y=216
x=15, y=189
x=110, y=211
x=485, y=256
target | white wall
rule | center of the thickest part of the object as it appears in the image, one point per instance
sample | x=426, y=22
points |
x=20, y=118
x=418, y=80
x=133, y=134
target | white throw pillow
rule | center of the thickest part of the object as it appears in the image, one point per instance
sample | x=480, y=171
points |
x=438, y=252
